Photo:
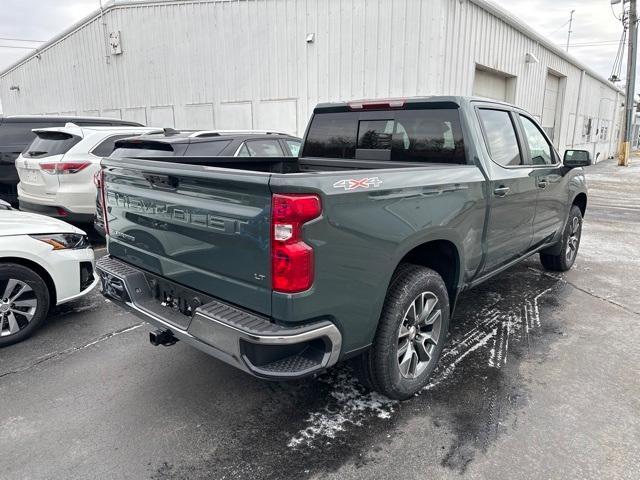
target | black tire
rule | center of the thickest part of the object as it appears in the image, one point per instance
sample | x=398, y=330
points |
x=380, y=367
x=569, y=244
x=31, y=316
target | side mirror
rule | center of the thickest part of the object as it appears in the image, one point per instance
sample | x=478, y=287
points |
x=577, y=158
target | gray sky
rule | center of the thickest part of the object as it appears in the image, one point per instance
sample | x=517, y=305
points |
x=593, y=22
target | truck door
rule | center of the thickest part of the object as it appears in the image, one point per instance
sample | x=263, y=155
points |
x=551, y=205
x=512, y=190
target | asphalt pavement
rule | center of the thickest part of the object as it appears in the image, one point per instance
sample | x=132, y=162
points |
x=540, y=379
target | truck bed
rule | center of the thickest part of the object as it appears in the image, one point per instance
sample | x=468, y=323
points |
x=286, y=165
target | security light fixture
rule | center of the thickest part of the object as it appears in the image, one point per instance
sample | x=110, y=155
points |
x=531, y=58
x=311, y=37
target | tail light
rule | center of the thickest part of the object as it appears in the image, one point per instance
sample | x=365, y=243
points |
x=63, y=168
x=99, y=179
x=291, y=257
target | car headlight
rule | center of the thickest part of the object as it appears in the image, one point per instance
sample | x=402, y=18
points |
x=62, y=241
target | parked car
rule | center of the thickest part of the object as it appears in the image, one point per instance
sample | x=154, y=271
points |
x=56, y=170
x=208, y=143
x=16, y=133
x=359, y=248
x=43, y=262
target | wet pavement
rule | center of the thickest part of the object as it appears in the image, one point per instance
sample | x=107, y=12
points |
x=540, y=379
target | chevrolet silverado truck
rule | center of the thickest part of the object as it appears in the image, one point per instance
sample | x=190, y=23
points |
x=356, y=250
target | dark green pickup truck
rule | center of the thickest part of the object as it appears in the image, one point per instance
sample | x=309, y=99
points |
x=359, y=248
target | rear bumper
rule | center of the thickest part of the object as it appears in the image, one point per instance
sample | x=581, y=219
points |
x=55, y=212
x=240, y=338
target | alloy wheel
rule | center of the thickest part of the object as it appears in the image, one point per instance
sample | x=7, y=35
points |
x=418, y=335
x=573, y=240
x=18, y=305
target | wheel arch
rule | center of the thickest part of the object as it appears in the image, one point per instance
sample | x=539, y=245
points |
x=442, y=256
x=581, y=201
x=41, y=271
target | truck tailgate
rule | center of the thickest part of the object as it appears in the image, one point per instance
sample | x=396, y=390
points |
x=204, y=228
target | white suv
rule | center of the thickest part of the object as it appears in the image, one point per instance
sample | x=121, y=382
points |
x=56, y=170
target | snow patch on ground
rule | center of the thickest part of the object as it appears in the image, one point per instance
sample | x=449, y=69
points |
x=348, y=405
x=494, y=328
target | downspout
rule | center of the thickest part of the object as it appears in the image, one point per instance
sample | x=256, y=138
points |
x=575, y=123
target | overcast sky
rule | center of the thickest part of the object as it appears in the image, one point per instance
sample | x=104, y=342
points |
x=593, y=22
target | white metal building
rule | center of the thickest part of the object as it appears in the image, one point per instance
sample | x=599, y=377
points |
x=266, y=63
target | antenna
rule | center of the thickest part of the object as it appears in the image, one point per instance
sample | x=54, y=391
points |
x=569, y=32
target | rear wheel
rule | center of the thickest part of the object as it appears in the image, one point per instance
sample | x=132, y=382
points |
x=411, y=334
x=569, y=244
x=24, y=302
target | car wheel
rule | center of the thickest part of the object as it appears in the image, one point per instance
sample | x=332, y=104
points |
x=411, y=333
x=569, y=244
x=24, y=302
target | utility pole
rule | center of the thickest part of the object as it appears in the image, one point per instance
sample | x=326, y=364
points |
x=569, y=32
x=631, y=83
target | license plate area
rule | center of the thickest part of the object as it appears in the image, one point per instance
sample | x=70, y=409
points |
x=174, y=303
x=31, y=176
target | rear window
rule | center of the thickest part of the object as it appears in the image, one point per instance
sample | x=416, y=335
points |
x=47, y=144
x=332, y=135
x=425, y=135
x=125, y=149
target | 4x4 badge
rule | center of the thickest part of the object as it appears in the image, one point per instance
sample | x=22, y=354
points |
x=354, y=183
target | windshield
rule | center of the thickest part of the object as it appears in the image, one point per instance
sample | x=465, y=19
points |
x=47, y=144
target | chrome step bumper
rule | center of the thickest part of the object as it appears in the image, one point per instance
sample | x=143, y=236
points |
x=238, y=337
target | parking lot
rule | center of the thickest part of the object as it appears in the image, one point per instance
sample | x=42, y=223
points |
x=539, y=380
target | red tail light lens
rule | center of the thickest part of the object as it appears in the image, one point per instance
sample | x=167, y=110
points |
x=383, y=103
x=291, y=257
x=63, y=168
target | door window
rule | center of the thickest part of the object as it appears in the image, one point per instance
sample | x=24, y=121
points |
x=539, y=148
x=261, y=148
x=294, y=147
x=207, y=149
x=501, y=137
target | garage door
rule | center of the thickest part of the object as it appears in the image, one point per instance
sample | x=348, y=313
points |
x=490, y=85
x=550, y=104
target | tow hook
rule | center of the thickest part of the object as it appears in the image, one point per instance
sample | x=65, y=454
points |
x=162, y=337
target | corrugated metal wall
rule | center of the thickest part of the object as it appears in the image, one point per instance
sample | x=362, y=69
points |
x=247, y=64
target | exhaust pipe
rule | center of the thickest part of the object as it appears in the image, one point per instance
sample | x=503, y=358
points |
x=162, y=337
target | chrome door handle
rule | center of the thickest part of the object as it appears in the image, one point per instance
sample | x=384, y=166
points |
x=542, y=183
x=501, y=191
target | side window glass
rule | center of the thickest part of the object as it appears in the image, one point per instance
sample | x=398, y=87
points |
x=244, y=151
x=501, y=137
x=207, y=149
x=538, y=145
x=294, y=146
x=105, y=148
x=264, y=148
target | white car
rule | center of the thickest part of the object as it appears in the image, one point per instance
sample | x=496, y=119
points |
x=43, y=262
x=56, y=170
